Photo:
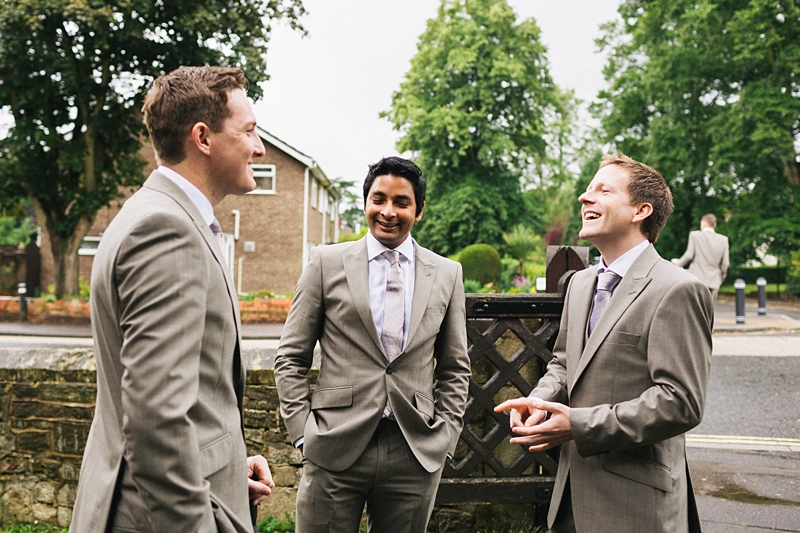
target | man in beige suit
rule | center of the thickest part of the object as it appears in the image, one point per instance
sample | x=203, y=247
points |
x=630, y=370
x=166, y=450
x=390, y=321
x=708, y=252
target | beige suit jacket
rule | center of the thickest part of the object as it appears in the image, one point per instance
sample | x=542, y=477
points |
x=426, y=384
x=170, y=379
x=708, y=253
x=634, y=388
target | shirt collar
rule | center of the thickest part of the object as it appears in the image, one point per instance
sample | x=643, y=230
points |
x=625, y=261
x=198, y=198
x=376, y=248
x=709, y=229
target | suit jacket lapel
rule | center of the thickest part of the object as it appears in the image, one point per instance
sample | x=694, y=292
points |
x=161, y=183
x=356, y=268
x=424, y=277
x=625, y=294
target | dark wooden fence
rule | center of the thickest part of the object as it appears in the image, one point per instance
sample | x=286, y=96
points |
x=511, y=337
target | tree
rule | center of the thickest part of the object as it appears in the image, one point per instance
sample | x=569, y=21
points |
x=73, y=73
x=708, y=93
x=472, y=111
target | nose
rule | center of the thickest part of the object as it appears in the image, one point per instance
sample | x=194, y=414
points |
x=387, y=210
x=258, y=146
x=585, y=198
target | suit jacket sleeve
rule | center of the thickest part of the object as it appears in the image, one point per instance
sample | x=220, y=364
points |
x=678, y=357
x=726, y=262
x=162, y=278
x=296, y=350
x=452, y=364
x=688, y=255
x=552, y=387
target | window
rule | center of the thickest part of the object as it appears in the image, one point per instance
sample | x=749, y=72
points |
x=89, y=246
x=314, y=193
x=265, y=179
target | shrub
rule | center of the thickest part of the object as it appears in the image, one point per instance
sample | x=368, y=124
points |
x=274, y=525
x=472, y=286
x=481, y=262
x=793, y=277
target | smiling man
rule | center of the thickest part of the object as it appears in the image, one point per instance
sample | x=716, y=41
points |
x=630, y=370
x=166, y=451
x=392, y=387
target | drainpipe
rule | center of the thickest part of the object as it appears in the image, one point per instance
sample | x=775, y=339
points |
x=305, y=217
x=336, y=222
x=236, y=217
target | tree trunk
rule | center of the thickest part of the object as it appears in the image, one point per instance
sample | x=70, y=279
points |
x=792, y=171
x=66, y=259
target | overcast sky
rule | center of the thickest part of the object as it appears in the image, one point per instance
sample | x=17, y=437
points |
x=327, y=89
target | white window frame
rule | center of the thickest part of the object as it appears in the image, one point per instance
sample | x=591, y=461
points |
x=89, y=251
x=314, y=194
x=266, y=171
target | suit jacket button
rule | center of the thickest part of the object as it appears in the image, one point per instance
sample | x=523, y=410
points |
x=389, y=370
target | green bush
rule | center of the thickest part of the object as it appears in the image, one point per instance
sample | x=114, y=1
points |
x=275, y=525
x=793, y=275
x=481, y=262
x=750, y=274
x=472, y=286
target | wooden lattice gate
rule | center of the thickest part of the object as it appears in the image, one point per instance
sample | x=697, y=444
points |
x=511, y=338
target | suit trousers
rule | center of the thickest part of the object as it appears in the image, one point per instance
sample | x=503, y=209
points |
x=398, y=492
x=565, y=519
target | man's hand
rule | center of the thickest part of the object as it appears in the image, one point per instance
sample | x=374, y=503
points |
x=523, y=412
x=527, y=420
x=259, y=479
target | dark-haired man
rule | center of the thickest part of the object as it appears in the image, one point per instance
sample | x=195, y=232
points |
x=390, y=321
x=630, y=370
x=166, y=450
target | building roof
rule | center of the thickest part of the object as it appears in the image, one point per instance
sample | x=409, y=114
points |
x=306, y=160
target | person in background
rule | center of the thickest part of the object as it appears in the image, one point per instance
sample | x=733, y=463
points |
x=708, y=253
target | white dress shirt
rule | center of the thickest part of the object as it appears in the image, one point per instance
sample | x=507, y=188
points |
x=198, y=198
x=625, y=261
x=378, y=265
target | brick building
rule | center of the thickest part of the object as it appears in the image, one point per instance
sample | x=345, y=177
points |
x=269, y=231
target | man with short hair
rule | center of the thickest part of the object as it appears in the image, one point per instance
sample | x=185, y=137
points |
x=630, y=370
x=166, y=450
x=708, y=253
x=387, y=409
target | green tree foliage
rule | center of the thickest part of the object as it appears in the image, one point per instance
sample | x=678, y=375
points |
x=472, y=110
x=521, y=243
x=72, y=74
x=709, y=94
x=481, y=262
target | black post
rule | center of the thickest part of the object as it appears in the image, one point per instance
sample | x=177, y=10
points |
x=762, y=296
x=739, y=285
x=23, y=303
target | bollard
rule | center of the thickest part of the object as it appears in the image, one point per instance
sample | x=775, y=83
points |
x=739, y=286
x=23, y=303
x=762, y=296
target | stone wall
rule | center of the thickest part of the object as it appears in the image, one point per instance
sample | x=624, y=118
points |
x=46, y=406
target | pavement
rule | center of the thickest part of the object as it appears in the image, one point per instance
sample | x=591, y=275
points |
x=775, y=333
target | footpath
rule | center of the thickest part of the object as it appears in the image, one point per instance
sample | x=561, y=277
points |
x=776, y=333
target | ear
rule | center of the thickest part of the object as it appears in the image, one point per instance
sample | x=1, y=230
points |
x=200, y=138
x=642, y=212
x=419, y=217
